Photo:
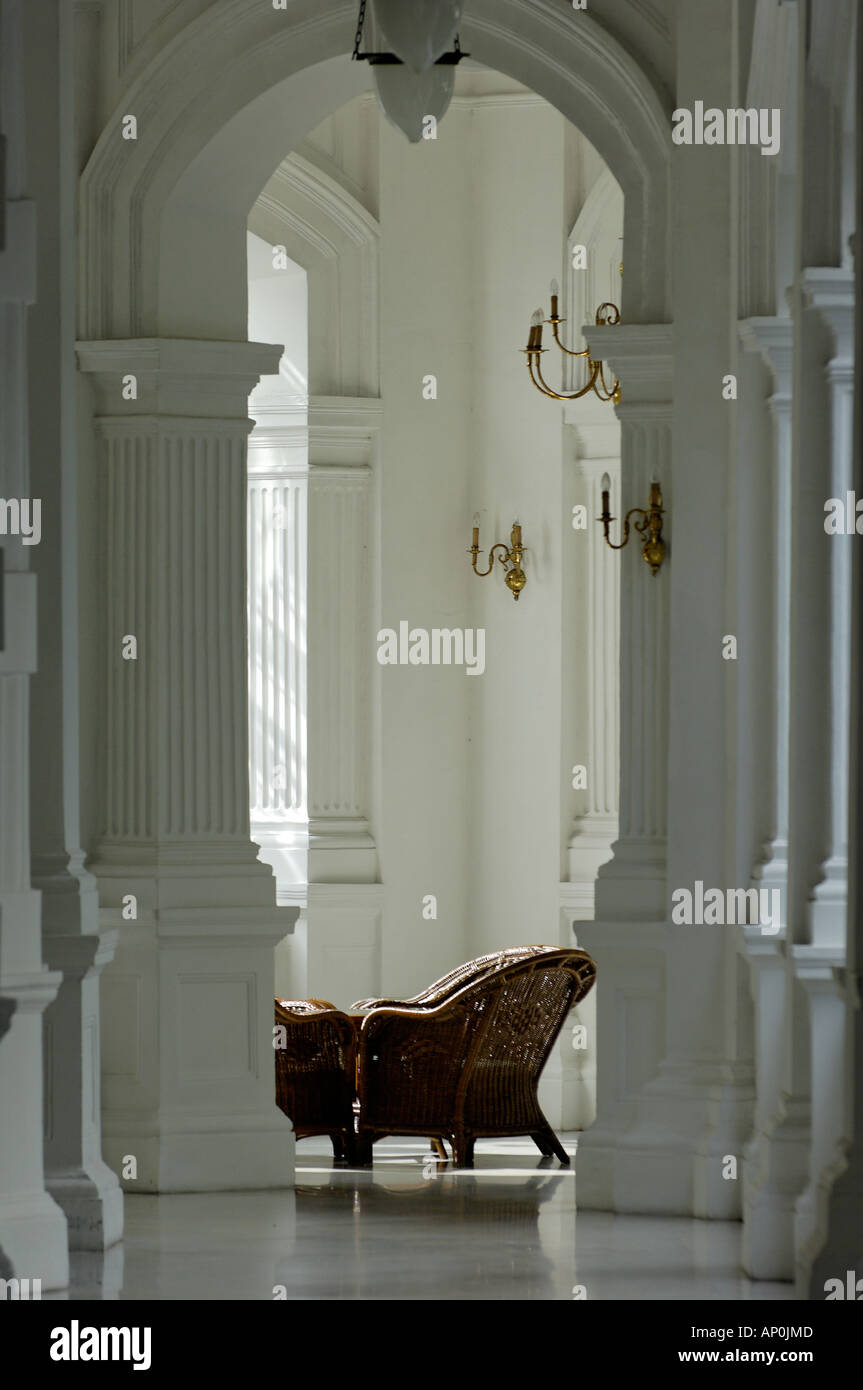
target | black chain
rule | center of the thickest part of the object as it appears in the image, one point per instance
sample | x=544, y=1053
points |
x=358, y=35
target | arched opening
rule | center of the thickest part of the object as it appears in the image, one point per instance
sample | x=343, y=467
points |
x=178, y=227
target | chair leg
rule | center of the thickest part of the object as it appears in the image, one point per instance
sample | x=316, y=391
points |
x=554, y=1146
x=462, y=1150
x=360, y=1151
x=439, y=1148
x=338, y=1144
x=542, y=1144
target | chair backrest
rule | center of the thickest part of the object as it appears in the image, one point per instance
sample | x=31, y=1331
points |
x=518, y=1012
x=477, y=969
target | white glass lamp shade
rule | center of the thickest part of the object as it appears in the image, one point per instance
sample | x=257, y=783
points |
x=407, y=97
x=418, y=31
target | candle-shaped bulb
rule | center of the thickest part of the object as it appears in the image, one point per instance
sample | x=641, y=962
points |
x=555, y=291
x=606, y=488
x=606, y=483
x=476, y=518
x=536, y=318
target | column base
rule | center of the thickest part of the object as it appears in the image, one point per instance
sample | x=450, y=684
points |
x=218, y=1156
x=629, y=1003
x=631, y=885
x=689, y=1120
x=341, y=851
x=33, y=1239
x=842, y=1250
x=829, y=908
x=93, y=1205
x=96, y=1275
x=773, y=1178
x=821, y=971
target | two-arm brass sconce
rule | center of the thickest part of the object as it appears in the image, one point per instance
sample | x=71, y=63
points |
x=510, y=558
x=649, y=527
x=607, y=313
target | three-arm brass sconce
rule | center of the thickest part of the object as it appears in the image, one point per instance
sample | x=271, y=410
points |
x=650, y=525
x=510, y=559
x=607, y=313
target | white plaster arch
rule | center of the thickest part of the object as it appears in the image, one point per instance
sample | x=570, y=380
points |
x=163, y=218
x=336, y=241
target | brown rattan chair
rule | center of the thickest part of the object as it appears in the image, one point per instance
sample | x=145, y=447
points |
x=315, y=1070
x=468, y=1065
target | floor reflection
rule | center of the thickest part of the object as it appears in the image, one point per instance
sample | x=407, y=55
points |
x=412, y=1228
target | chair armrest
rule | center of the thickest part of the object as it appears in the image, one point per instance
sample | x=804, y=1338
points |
x=315, y=1064
x=409, y=1064
x=306, y=1006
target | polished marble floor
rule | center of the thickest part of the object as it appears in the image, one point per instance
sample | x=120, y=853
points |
x=412, y=1228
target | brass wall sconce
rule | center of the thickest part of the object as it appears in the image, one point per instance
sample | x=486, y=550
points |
x=607, y=313
x=510, y=558
x=649, y=527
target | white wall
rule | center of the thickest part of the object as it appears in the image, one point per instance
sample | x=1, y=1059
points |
x=278, y=313
x=512, y=817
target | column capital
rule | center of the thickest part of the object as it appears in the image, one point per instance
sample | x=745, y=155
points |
x=829, y=290
x=176, y=376
x=641, y=355
x=772, y=335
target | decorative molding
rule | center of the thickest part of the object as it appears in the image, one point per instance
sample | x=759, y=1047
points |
x=183, y=100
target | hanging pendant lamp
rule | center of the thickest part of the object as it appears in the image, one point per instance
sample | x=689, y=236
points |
x=418, y=31
x=408, y=95
x=407, y=98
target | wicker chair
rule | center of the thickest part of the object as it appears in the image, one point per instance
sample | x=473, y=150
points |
x=315, y=1070
x=466, y=1064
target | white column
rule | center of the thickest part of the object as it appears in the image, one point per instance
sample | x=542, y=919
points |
x=631, y=886
x=627, y=934
x=840, y=1239
x=187, y=1004
x=830, y=292
x=590, y=706
x=32, y=1226
x=278, y=526
x=345, y=896
x=820, y=962
x=776, y=1157
x=773, y=338
x=72, y=938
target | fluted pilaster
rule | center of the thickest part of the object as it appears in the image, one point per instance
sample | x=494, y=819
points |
x=177, y=568
x=632, y=883
x=595, y=827
x=178, y=873
x=341, y=649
